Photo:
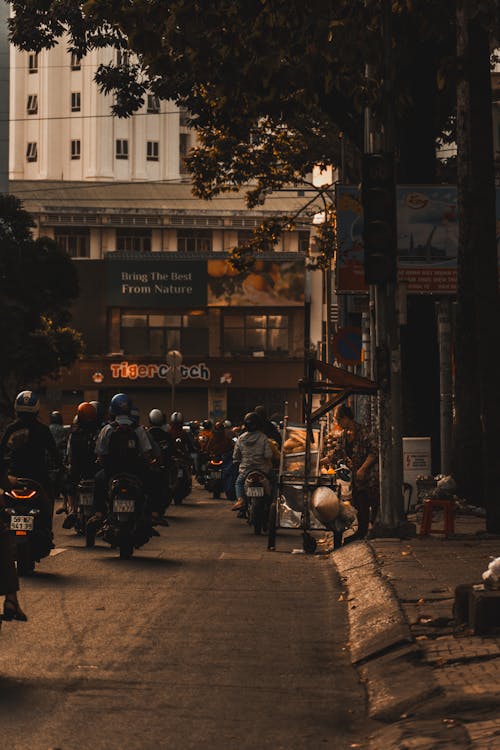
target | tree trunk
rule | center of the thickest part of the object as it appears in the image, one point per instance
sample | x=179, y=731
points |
x=477, y=437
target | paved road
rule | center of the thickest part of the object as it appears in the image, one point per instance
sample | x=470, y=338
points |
x=203, y=640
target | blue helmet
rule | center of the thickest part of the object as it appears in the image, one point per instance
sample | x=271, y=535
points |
x=120, y=404
x=26, y=403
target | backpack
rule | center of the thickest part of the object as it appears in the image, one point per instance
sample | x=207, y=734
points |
x=124, y=450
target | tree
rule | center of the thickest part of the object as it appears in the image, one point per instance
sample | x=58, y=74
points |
x=37, y=284
x=271, y=85
x=477, y=439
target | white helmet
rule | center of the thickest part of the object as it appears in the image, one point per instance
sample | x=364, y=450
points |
x=176, y=418
x=156, y=418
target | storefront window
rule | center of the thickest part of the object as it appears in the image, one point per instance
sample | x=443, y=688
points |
x=155, y=334
x=246, y=333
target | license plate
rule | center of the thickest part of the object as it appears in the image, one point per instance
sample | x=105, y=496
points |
x=180, y=473
x=22, y=523
x=216, y=474
x=86, y=498
x=255, y=491
x=123, y=506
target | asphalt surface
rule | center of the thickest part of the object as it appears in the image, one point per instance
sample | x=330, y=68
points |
x=203, y=640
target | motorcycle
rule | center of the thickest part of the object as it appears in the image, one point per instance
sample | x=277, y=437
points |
x=180, y=475
x=30, y=523
x=128, y=524
x=84, y=510
x=258, y=496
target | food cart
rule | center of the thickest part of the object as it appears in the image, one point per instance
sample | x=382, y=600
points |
x=302, y=445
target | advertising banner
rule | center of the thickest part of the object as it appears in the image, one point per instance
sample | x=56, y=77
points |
x=267, y=283
x=427, y=238
x=157, y=283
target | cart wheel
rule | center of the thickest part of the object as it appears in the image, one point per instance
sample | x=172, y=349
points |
x=271, y=534
x=308, y=543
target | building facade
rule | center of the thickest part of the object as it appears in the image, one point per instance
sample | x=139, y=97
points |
x=154, y=277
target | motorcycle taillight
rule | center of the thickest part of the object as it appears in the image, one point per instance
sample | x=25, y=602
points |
x=23, y=494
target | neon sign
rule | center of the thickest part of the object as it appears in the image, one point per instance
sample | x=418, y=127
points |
x=128, y=371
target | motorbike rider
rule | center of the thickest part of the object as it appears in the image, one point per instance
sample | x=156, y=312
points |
x=219, y=443
x=268, y=427
x=164, y=447
x=80, y=454
x=253, y=452
x=178, y=432
x=134, y=459
x=25, y=446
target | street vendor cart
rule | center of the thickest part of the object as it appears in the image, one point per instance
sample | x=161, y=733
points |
x=300, y=473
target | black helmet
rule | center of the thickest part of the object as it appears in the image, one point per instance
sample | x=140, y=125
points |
x=206, y=424
x=219, y=426
x=252, y=421
x=56, y=417
x=176, y=418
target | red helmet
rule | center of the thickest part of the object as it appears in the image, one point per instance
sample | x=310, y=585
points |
x=86, y=412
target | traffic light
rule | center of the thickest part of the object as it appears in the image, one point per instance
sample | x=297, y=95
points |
x=379, y=207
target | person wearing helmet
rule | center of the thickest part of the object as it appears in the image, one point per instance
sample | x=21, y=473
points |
x=219, y=442
x=268, y=427
x=228, y=424
x=178, y=432
x=80, y=454
x=252, y=452
x=124, y=447
x=163, y=446
x=27, y=444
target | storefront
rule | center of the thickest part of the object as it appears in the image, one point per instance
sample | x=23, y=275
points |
x=241, y=336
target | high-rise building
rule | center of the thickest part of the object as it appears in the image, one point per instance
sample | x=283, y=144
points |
x=151, y=258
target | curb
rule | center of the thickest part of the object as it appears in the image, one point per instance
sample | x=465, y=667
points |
x=381, y=644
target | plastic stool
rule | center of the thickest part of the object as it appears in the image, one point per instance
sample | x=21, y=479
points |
x=448, y=508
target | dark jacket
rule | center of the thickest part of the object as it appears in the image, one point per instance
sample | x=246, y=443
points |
x=25, y=446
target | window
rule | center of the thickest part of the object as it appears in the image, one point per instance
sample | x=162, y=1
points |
x=156, y=333
x=194, y=240
x=153, y=104
x=76, y=101
x=184, y=146
x=32, y=104
x=76, y=61
x=31, y=152
x=152, y=151
x=245, y=333
x=75, y=149
x=33, y=62
x=133, y=240
x=121, y=149
x=122, y=58
x=73, y=240
x=303, y=245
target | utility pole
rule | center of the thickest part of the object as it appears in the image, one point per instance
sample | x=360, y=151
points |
x=445, y=383
x=380, y=235
x=4, y=97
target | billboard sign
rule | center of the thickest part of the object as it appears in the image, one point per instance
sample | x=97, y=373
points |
x=267, y=283
x=156, y=283
x=427, y=238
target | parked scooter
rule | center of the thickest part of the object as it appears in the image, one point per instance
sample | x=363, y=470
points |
x=258, y=496
x=30, y=523
x=128, y=524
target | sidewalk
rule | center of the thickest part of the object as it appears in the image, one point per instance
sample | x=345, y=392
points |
x=433, y=685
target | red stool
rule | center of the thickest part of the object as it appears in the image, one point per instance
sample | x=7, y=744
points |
x=448, y=508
